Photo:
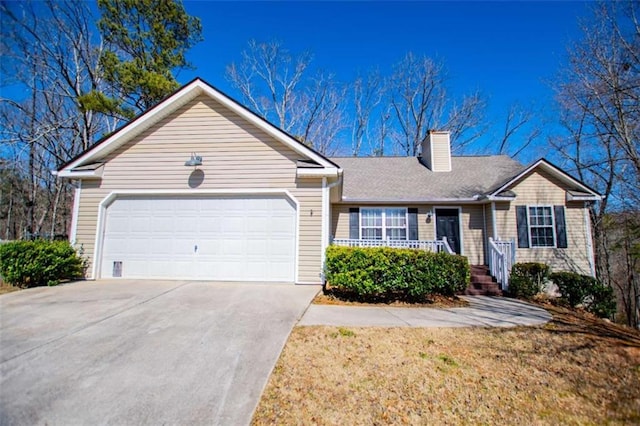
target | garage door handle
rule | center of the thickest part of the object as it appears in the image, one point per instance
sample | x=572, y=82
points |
x=195, y=248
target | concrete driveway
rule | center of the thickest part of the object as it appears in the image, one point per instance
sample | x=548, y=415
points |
x=142, y=352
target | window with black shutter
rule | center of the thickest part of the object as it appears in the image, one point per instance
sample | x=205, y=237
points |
x=541, y=226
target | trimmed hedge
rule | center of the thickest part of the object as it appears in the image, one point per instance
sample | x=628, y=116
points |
x=396, y=273
x=38, y=263
x=528, y=279
x=585, y=290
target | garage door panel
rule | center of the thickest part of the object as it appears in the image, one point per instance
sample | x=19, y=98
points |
x=161, y=222
x=232, y=225
x=257, y=224
x=209, y=246
x=210, y=224
x=275, y=270
x=280, y=248
x=247, y=239
x=257, y=247
x=257, y=270
x=280, y=225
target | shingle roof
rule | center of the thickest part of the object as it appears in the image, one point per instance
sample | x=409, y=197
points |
x=406, y=178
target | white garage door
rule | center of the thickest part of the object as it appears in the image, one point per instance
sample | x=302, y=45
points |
x=234, y=239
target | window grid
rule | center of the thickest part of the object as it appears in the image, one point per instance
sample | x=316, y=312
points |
x=541, y=226
x=383, y=224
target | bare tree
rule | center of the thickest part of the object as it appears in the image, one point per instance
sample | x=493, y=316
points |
x=50, y=53
x=418, y=97
x=517, y=125
x=367, y=96
x=276, y=86
x=322, y=114
x=269, y=78
x=599, y=96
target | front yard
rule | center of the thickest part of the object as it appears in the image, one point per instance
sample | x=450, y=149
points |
x=575, y=370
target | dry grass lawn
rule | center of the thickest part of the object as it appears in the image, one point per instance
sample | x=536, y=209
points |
x=575, y=370
x=7, y=288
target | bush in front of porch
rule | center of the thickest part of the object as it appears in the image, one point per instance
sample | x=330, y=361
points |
x=390, y=273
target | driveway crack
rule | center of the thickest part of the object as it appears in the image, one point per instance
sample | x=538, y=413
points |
x=397, y=317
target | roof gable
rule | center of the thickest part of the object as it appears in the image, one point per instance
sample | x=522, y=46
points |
x=172, y=103
x=575, y=188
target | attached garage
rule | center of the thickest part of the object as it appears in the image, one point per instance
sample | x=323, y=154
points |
x=200, y=188
x=224, y=238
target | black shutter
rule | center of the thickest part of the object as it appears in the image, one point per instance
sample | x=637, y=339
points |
x=413, y=224
x=354, y=223
x=523, y=226
x=561, y=227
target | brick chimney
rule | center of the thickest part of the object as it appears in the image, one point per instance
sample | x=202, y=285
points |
x=436, y=151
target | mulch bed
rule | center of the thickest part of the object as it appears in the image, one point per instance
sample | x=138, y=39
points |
x=332, y=296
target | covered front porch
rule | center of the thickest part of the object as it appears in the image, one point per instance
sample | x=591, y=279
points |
x=433, y=245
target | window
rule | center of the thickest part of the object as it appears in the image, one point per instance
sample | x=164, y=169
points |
x=541, y=229
x=383, y=224
x=541, y=226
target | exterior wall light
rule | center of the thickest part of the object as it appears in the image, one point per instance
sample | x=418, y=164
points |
x=195, y=160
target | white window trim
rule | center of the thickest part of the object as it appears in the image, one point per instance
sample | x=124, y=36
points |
x=384, y=226
x=553, y=226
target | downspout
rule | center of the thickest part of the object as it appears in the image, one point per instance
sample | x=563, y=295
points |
x=76, y=209
x=326, y=213
x=324, y=229
x=589, y=235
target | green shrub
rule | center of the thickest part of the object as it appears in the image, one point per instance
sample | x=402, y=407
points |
x=39, y=262
x=585, y=290
x=528, y=279
x=601, y=301
x=395, y=273
x=573, y=287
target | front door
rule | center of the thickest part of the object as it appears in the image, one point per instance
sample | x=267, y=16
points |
x=448, y=225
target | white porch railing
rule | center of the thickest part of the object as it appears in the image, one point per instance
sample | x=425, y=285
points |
x=502, y=256
x=434, y=246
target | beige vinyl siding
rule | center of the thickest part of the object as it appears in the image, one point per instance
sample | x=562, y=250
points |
x=540, y=188
x=236, y=156
x=309, y=194
x=471, y=221
x=90, y=198
x=441, y=152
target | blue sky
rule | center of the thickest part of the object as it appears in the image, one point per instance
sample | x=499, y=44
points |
x=509, y=51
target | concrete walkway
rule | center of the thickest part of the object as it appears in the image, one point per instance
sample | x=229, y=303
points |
x=482, y=311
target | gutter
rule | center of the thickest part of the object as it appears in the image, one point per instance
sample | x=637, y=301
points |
x=475, y=198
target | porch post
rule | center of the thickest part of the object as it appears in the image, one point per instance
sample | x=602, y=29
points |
x=493, y=220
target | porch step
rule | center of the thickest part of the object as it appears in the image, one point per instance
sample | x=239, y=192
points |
x=482, y=283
